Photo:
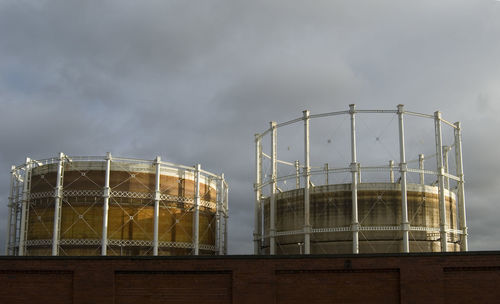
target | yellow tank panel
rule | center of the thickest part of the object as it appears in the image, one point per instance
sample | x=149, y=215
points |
x=130, y=215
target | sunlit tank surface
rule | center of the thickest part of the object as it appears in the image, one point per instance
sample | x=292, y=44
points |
x=130, y=216
x=379, y=208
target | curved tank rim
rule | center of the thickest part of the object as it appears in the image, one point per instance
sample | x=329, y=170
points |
x=380, y=186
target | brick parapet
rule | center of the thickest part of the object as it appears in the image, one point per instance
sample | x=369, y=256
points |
x=413, y=278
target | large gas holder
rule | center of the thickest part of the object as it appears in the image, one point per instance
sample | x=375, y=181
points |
x=405, y=205
x=107, y=205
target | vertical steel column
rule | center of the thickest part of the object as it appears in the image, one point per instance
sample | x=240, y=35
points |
x=17, y=210
x=405, y=226
x=354, y=184
x=446, y=149
x=24, y=208
x=11, y=211
x=307, y=185
x=220, y=208
x=258, y=174
x=297, y=174
x=106, y=194
x=391, y=171
x=58, y=191
x=226, y=213
x=460, y=186
x=196, y=218
x=440, y=169
x=217, y=215
x=226, y=195
x=156, y=214
x=421, y=167
x=272, y=220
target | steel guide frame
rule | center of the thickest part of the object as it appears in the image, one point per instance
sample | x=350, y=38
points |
x=20, y=197
x=355, y=168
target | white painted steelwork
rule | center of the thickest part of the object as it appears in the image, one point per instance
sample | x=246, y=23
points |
x=307, y=185
x=403, y=168
x=226, y=212
x=354, y=184
x=156, y=214
x=391, y=171
x=221, y=209
x=258, y=174
x=421, y=167
x=105, y=196
x=461, y=192
x=57, y=206
x=22, y=209
x=447, y=186
x=196, y=214
x=272, y=229
x=440, y=169
x=11, y=213
x=24, y=206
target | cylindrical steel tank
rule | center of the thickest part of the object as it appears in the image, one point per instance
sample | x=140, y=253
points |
x=74, y=205
x=379, y=208
x=398, y=206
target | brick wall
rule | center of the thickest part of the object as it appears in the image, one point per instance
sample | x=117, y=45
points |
x=472, y=277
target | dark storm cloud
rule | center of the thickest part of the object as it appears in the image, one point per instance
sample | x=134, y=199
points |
x=193, y=81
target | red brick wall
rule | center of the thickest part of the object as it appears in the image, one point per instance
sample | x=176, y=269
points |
x=472, y=277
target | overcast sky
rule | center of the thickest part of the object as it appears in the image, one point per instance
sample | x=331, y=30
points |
x=192, y=81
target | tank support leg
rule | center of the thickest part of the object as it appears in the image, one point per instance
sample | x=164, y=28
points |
x=354, y=183
x=460, y=186
x=222, y=212
x=12, y=214
x=196, y=214
x=307, y=186
x=440, y=169
x=156, y=213
x=25, y=208
x=272, y=220
x=421, y=167
x=258, y=170
x=405, y=226
x=58, y=191
x=106, y=195
x=446, y=149
x=226, y=212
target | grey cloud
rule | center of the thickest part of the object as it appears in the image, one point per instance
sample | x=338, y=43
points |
x=193, y=82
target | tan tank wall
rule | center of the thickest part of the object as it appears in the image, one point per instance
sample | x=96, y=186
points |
x=175, y=222
x=330, y=206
